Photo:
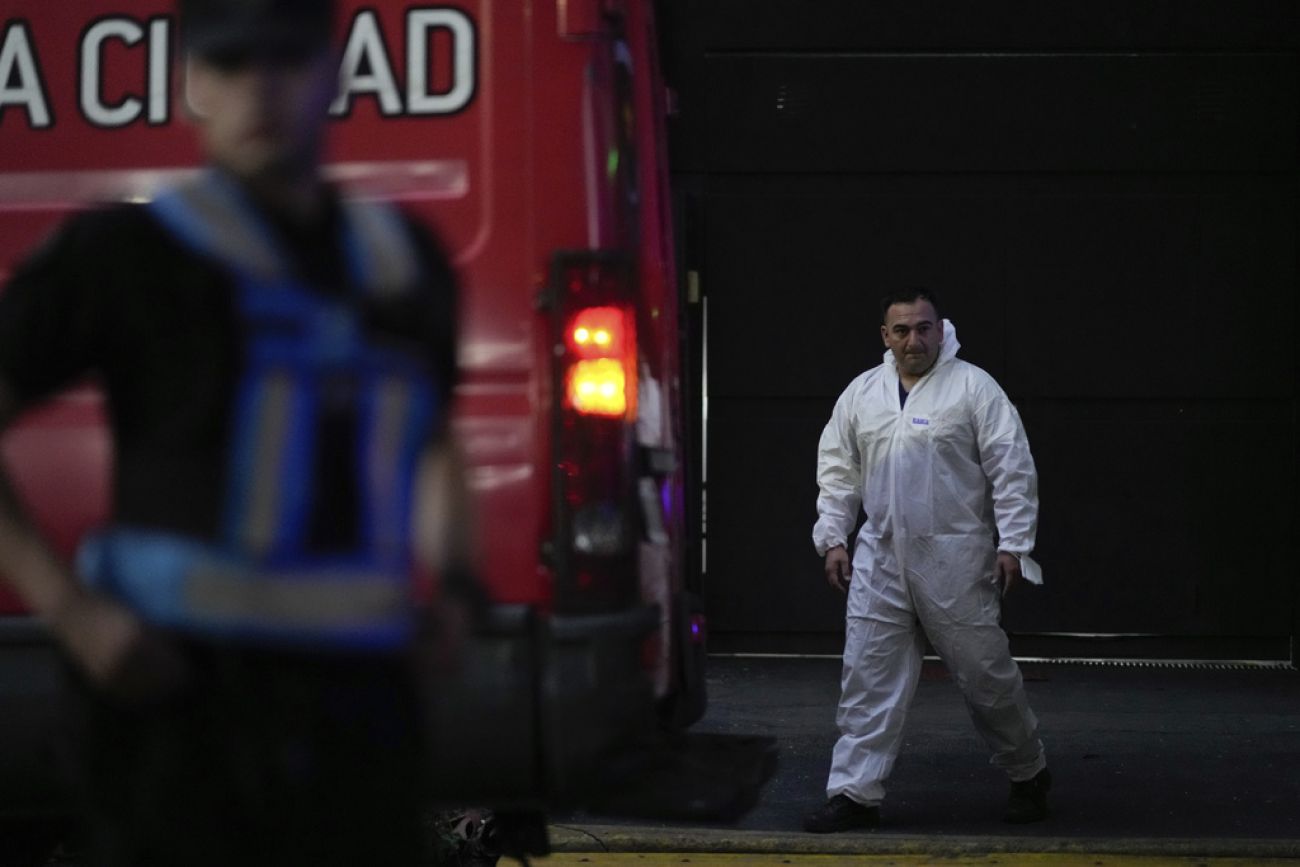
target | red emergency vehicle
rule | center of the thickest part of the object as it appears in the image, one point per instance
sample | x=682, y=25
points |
x=529, y=134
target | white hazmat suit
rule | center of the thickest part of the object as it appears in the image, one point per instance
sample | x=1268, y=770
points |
x=946, y=481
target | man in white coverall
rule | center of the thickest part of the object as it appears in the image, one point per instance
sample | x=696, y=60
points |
x=934, y=453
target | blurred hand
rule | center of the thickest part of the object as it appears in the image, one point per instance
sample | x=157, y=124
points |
x=839, y=571
x=1008, y=572
x=117, y=652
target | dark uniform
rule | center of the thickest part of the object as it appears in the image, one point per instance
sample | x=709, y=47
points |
x=291, y=741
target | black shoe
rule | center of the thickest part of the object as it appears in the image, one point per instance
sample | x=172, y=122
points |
x=841, y=813
x=1028, y=802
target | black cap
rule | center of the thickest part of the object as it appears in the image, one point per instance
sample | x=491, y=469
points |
x=233, y=30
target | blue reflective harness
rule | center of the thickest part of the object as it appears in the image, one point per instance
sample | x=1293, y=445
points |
x=260, y=580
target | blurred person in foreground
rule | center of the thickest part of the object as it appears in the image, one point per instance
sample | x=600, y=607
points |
x=932, y=451
x=278, y=364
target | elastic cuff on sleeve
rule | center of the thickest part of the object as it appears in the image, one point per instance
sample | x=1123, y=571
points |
x=1029, y=567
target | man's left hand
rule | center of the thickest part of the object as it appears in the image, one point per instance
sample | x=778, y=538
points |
x=1008, y=572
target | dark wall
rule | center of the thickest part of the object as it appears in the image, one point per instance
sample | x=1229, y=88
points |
x=1105, y=197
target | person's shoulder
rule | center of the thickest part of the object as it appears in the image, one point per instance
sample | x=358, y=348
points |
x=862, y=382
x=978, y=381
x=428, y=244
x=865, y=376
x=381, y=218
x=103, y=230
x=962, y=367
x=430, y=312
x=94, y=244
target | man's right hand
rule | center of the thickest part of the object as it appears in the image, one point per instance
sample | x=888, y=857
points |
x=839, y=570
x=118, y=653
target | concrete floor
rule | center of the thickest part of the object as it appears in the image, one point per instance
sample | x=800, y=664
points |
x=1147, y=761
x=1138, y=753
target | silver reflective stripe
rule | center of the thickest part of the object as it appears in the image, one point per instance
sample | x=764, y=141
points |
x=295, y=602
x=271, y=427
x=390, y=261
x=392, y=408
x=231, y=235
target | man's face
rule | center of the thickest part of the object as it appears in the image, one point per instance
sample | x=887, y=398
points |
x=261, y=117
x=913, y=332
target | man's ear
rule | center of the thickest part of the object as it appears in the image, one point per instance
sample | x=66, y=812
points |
x=884, y=336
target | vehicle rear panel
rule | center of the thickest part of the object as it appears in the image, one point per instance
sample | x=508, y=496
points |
x=527, y=135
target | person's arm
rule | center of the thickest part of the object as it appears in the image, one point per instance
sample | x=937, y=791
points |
x=30, y=566
x=52, y=314
x=104, y=639
x=839, y=480
x=1013, y=481
x=445, y=533
x=445, y=543
x=446, y=550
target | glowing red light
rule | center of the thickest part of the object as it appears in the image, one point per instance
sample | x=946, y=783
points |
x=597, y=332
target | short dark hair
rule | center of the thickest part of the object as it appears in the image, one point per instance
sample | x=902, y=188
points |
x=909, y=295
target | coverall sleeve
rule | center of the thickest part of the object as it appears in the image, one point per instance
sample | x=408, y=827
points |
x=1009, y=466
x=839, y=476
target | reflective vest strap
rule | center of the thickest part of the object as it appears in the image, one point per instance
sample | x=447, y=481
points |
x=293, y=602
x=210, y=215
x=264, y=451
x=178, y=582
x=397, y=413
x=383, y=254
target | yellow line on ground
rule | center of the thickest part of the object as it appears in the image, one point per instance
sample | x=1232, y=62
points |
x=1010, y=859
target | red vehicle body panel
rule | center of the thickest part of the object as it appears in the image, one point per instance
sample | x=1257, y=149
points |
x=525, y=133
x=520, y=170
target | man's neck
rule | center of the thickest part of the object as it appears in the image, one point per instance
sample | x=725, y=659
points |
x=298, y=196
x=909, y=380
x=301, y=200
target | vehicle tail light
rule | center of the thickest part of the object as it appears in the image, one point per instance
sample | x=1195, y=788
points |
x=595, y=529
x=597, y=386
x=601, y=350
x=598, y=332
